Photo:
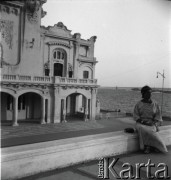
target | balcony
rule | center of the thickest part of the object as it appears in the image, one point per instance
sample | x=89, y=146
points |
x=47, y=80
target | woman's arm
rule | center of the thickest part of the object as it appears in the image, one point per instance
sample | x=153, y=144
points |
x=136, y=114
x=157, y=115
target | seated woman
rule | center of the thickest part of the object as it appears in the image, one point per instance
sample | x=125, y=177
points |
x=147, y=116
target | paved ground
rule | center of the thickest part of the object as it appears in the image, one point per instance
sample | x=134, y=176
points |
x=90, y=170
x=27, y=133
x=31, y=133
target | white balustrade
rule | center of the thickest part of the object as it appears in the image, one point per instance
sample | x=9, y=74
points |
x=24, y=78
x=91, y=81
x=9, y=77
x=47, y=79
x=72, y=80
x=62, y=79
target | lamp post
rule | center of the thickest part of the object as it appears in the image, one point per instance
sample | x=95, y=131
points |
x=158, y=73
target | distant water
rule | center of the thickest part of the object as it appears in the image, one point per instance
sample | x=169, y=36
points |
x=125, y=99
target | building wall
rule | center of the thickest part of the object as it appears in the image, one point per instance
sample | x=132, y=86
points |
x=48, y=53
x=27, y=51
x=21, y=51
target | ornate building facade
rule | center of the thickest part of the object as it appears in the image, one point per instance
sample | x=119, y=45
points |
x=47, y=74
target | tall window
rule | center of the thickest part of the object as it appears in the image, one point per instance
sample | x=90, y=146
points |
x=85, y=74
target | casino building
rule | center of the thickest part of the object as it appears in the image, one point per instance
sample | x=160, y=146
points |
x=47, y=73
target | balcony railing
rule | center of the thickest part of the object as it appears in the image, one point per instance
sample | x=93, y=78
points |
x=23, y=78
x=47, y=80
x=76, y=81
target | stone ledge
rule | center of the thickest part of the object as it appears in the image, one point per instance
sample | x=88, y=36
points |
x=25, y=160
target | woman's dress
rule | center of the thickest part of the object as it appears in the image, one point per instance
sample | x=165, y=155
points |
x=148, y=135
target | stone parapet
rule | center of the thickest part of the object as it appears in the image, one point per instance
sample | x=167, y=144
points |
x=25, y=160
x=46, y=79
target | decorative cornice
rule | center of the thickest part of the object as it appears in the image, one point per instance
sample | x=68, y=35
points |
x=44, y=88
x=59, y=43
x=19, y=3
x=86, y=87
x=23, y=86
x=9, y=10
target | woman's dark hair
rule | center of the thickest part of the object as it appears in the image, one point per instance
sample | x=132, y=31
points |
x=145, y=89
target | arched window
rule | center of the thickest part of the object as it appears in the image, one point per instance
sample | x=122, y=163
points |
x=59, y=54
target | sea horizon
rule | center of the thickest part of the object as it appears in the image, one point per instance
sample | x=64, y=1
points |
x=130, y=88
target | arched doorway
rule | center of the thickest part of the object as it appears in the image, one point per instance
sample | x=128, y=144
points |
x=7, y=106
x=29, y=107
x=25, y=108
x=58, y=69
x=77, y=107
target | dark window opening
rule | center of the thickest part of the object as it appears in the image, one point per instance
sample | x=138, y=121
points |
x=70, y=74
x=58, y=69
x=85, y=74
x=47, y=71
x=9, y=102
x=54, y=55
x=21, y=103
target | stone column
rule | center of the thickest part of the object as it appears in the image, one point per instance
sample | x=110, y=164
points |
x=77, y=103
x=56, y=106
x=86, y=110
x=42, y=110
x=48, y=111
x=64, y=110
x=68, y=104
x=93, y=104
x=15, y=111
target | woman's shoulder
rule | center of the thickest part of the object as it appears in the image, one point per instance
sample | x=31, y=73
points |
x=139, y=103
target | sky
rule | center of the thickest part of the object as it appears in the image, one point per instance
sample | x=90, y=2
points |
x=133, y=37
